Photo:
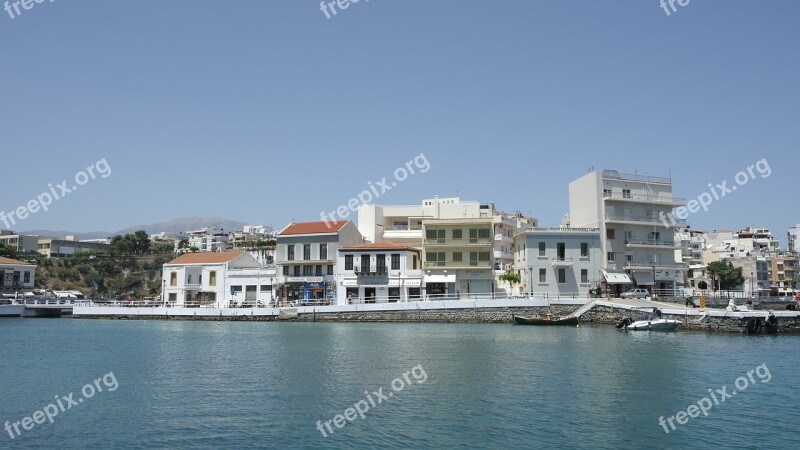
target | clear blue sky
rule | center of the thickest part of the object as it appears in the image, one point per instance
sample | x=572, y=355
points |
x=265, y=111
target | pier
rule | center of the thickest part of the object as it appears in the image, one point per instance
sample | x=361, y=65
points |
x=41, y=307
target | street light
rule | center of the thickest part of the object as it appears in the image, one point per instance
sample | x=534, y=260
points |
x=751, y=284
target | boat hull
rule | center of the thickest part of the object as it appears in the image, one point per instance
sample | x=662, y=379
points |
x=571, y=320
x=654, y=325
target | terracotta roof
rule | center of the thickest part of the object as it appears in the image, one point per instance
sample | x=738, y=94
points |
x=206, y=258
x=379, y=246
x=13, y=261
x=313, y=227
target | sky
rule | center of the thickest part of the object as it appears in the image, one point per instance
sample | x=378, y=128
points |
x=269, y=111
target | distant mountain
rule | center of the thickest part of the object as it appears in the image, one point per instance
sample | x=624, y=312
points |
x=182, y=224
x=173, y=226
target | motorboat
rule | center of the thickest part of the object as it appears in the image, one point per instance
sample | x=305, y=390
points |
x=653, y=323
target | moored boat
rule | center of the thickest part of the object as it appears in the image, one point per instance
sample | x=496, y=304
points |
x=548, y=319
x=654, y=323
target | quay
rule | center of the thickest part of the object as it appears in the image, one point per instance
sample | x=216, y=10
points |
x=40, y=307
x=460, y=311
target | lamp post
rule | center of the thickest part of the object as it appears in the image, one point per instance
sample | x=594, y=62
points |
x=751, y=284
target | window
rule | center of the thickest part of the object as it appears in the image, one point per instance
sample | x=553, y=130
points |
x=542, y=248
x=584, y=250
x=365, y=263
x=435, y=258
x=626, y=193
x=395, y=262
x=606, y=192
x=562, y=276
x=173, y=279
x=212, y=278
x=235, y=290
x=330, y=269
x=484, y=256
x=297, y=271
x=458, y=234
x=416, y=262
x=27, y=278
x=542, y=275
x=629, y=257
x=348, y=262
x=290, y=252
x=400, y=225
x=323, y=251
x=473, y=235
x=189, y=279
x=380, y=263
x=612, y=257
x=610, y=233
x=458, y=256
x=561, y=251
x=484, y=233
x=306, y=252
x=286, y=271
x=307, y=270
x=266, y=288
x=318, y=270
x=435, y=235
x=473, y=258
x=394, y=294
x=584, y=276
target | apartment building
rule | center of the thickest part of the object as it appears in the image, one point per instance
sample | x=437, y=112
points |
x=557, y=262
x=69, y=247
x=21, y=243
x=458, y=257
x=306, y=256
x=382, y=272
x=791, y=236
x=217, y=279
x=757, y=274
x=634, y=215
x=206, y=240
x=783, y=275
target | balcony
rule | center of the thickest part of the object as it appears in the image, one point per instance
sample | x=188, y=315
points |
x=499, y=237
x=193, y=286
x=658, y=265
x=655, y=243
x=615, y=175
x=374, y=270
x=637, y=197
x=563, y=262
x=465, y=242
x=638, y=220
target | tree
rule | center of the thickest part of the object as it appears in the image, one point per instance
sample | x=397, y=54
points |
x=730, y=277
x=7, y=251
x=511, y=278
x=141, y=242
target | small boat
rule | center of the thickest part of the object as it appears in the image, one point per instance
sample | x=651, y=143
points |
x=548, y=319
x=653, y=323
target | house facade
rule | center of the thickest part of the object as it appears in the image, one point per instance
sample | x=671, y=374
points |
x=16, y=275
x=557, y=262
x=306, y=257
x=217, y=279
x=382, y=272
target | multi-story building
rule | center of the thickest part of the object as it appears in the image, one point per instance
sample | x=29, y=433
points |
x=756, y=271
x=21, y=243
x=259, y=240
x=634, y=215
x=458, y=257
x=559, y=261
x=66, y=248
x=403, y=224
x=217, y=279
x=16, y=275
x=791, y=236
x=382, y=272
x=306, y=258
x=759, y=240
x=205, y=240
x=783, y=276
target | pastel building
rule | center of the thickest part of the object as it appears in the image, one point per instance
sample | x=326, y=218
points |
x=306, y=256
x=556, y=262
x=382, y=272
x=218, y=279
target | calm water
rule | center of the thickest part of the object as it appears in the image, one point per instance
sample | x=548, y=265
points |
x=237, y=385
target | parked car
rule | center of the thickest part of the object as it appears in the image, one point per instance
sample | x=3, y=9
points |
x=636, y=293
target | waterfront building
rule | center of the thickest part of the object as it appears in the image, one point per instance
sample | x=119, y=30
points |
x=557, y=262
x=205, y=240
x=783, y=275
x=306, y=258
x=758, y=240
x=217, y=279
x=258, y=240
x=69, y=247
x=458, y=257
x=16, y=275
x=21, y=243
x=635, y=216
x=382, y=272
x=756, y=271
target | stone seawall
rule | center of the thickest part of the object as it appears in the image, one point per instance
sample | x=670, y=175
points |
x=732, y=323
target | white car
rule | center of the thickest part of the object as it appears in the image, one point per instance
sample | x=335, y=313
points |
x=636, y=293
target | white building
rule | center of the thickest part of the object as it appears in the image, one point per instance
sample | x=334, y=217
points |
x=636, y=222
x=206, y=240
x=382, y=272
x=791, y=236
x=16, y=275
x=557, y=262
x=217, y=279
x=21, y=243
x=306, y=258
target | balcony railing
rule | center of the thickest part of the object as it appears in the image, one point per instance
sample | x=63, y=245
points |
x=653, y=242
x=646, y=197
x=657, y=265
x=648, y=220
x=614, y=175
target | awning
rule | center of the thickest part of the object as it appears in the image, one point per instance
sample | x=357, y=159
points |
x=616, y=278
x=440, y=278
x=644, y=278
